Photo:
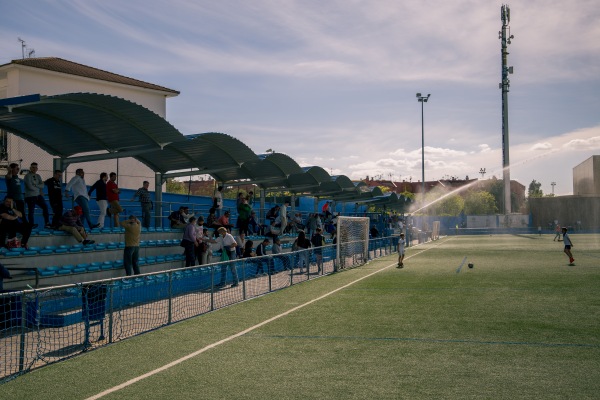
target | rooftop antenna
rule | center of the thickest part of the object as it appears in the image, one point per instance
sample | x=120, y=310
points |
x=505, y=38
x=23, y=45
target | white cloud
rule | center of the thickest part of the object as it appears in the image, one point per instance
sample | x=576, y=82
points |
x=541, y=146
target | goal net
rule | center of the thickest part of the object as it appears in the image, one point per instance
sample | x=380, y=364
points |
x=352, y=241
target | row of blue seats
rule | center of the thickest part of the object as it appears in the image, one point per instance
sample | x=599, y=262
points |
x=103, y=266
x=78, y=247
x=47, y=232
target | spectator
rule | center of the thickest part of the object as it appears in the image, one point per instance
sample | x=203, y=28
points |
x=34, y=195
x=71, y=223
x=211, y=220
x=244, y=211
x=253, y=225
x=247, y=252
x=317, y=240
x=131, y=252
x=80, y=195
x=224, y=221
x=14, y=190
x=276, y=248
x=206, y=248
x=100, y=187
x=177, y=218
x=228, y=245
x=261, y=250
x=189, y=242
x=146, y=203
x=10, y=224
x=112, y=195
x=218, y=201
x=241, y=243
x=55, y=196
x=302, y=244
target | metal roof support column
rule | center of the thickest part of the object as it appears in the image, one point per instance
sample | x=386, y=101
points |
x=316, y=208
x=158, y=200
x=293, y=200
x=57, y=163
x=262, y=205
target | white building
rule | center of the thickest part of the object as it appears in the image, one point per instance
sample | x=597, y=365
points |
x=53, y=76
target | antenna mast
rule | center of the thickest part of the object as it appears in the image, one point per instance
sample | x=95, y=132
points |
x=23, y=46
x=505, y=37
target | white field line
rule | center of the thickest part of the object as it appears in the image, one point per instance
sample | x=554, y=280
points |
x=241, y=333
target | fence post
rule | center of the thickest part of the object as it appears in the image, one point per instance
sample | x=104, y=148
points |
x=212, y=288
x=23, y=332
x=244, y=279
x=110, y=312
x=170, y=302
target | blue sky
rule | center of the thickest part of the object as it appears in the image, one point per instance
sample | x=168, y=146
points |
x=333, y=83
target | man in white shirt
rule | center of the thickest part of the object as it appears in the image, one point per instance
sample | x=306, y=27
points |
x=228, y=245
x=79, y=191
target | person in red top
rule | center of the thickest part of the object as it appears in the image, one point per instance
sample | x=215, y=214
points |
x=112, y=195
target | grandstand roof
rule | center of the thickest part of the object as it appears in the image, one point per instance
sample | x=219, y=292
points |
x=86, y=124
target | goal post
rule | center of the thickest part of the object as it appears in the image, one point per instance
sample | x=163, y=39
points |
x=352, y=241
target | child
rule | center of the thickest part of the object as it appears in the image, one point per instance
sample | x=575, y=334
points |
x=401, y=251
x=568, y=245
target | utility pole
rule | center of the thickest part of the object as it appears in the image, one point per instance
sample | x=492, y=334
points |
x=505, y=37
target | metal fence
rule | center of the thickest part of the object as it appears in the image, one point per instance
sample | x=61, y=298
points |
x=43, y=326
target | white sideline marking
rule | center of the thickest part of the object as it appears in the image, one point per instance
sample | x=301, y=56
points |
x=241, y=333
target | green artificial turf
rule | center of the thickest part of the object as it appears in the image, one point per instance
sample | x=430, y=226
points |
x=520, y=324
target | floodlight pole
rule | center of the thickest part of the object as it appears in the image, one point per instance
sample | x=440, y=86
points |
x=422, y=100
x=505, y=37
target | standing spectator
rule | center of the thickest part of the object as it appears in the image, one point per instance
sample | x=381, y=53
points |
x=302, y=244
x=71, y=223
x=189, y=242
x=112, y=195
x=228, y=246
x=146, y=203
x=14, y=190
x=205, y=246
x=131, y=252
x=317, y=241
x=10, y=224
x=79, y=189
x=55, y=196
x=100, y=187
x=34, y=195
x=244, y=211
x=218, y=201
x=202, y=245
x=241, y=243
x=261, y=250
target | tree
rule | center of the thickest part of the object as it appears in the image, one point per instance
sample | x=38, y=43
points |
x=534, y=189
x=174, y=186
x=480, y=203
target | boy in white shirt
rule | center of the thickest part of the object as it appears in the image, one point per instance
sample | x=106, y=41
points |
x=401, y=251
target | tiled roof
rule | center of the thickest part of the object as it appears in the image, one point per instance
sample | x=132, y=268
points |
x=69, y=67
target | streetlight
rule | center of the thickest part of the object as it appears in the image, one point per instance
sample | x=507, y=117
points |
x=553, y=184
x=482, y=172
x=422, y=100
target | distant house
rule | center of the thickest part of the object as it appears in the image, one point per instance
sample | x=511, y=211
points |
x=52, y=76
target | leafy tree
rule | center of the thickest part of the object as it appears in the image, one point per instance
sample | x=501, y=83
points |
x=534, y=189
x=480, y=203
x=174, y=186
x=451, y=205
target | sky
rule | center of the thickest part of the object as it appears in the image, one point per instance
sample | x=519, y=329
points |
x=333, y=83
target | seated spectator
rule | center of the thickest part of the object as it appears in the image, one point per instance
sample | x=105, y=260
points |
x=298, y=225
x=253, y=226
x=374, y=232
x=272, y=213
x=186, y=214
x=71, y=222
x=177, y=218
x=211, y=220
x=247, y=253
x=224, y=221
x=11, y=223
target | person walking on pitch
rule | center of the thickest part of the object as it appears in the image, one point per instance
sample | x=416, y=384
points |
x=568, y=244
x=401, y=251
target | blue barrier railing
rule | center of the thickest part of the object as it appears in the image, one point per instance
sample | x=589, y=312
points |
x=43, y=326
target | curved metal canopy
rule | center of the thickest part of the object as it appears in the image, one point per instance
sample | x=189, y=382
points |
x=78, y=123
x=69, y=124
